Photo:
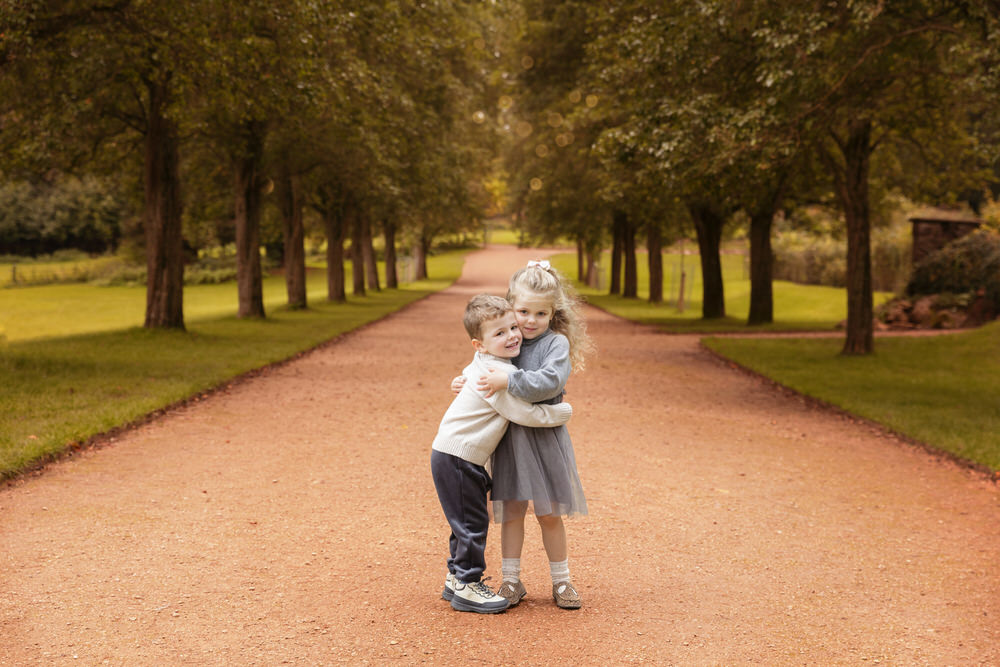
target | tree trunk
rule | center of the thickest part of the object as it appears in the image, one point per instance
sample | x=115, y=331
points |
x=420, y=251
x=333, y=227
x=630, y=288
x=357, y=243
x=368, y=252
x=162, y=219
x=247, y=186
x=708, y=223
x=761, y=265
x=290, y=202
x=761, y=256
x=581, y=260
x=654, y=248
x=389, y=234
x=618, y=223
x=593, y=277
x=852, y=191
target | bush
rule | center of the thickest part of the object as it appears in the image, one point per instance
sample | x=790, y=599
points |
x=71, y=213
x=820, y=259
x=801, y=257
x=964, y=266
x=194, y=274
x=64, y=266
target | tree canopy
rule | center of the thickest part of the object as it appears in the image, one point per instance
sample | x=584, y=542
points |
x=593, y=121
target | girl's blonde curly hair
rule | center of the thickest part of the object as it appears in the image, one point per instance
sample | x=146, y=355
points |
x=541, y=279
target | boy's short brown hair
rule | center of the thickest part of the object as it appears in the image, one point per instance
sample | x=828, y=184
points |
x=483, y=308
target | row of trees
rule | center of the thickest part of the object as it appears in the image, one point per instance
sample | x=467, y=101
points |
x=614, y=118
x=361, y=112
x=633, y=115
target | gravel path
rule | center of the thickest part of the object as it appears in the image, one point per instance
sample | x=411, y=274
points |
x=291, y=518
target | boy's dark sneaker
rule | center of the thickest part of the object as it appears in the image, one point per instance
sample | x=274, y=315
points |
x=477, y=597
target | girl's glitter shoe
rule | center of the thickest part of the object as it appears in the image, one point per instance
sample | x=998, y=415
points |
x=566, y=596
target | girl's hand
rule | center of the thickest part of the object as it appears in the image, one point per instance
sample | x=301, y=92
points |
x=457, y=384
x=492, y=383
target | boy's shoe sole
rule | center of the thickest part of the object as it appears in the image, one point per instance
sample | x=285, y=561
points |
x=458, y=604
x=449, y=587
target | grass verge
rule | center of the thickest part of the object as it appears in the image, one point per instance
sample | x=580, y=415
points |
x=59, y=392
x=938, y=390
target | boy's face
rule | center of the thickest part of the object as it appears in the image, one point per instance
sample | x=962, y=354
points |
x=500, y=337
x=533, y=313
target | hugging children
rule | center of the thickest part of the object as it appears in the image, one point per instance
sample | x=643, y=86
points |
x=533, y=462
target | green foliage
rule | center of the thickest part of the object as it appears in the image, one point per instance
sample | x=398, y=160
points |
x=810, y=259
x=59, y=268
x=373, y=101
x=966, y=265
x=939, y=390
x=815, y=257
x=84, y=214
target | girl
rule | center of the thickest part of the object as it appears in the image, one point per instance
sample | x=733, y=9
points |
x=537, y=464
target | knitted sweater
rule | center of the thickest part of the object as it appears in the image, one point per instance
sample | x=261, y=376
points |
x=473, y=424
x=543, y=369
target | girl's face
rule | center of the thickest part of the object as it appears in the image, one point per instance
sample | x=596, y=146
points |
x=533, y=312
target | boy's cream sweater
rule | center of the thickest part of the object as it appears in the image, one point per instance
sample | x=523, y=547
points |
x=473, y=424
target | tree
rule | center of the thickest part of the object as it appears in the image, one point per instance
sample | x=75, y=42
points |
x=660, y=63
x=96, y=75
x=550, y=127
x=290, y=201
x=869, y=75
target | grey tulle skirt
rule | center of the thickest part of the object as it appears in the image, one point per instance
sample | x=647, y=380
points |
x=536, y=465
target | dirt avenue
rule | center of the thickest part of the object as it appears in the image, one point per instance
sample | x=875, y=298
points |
x=291, y=519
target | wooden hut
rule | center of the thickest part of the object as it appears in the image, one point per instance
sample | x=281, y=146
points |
x=933, y=228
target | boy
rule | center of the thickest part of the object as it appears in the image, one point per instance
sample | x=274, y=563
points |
x=469, y=432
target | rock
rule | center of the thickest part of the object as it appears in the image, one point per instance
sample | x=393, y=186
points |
x=922, y=313
x=946, y=319
x=898, y=311
x=980, y=311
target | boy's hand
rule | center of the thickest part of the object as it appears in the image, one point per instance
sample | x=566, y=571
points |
x=492, y=383
x=457, y=384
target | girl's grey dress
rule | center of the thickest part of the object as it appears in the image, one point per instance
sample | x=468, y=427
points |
x=538, y=464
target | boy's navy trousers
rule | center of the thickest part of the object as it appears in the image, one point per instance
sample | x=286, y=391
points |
x=462, y=487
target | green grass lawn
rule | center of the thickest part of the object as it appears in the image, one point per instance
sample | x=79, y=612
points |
x=939, y=390
x=62, y=385
x=61, y=310
x=796, y=307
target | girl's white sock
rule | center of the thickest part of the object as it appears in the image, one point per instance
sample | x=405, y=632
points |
x=510, y=568
x=559, y=571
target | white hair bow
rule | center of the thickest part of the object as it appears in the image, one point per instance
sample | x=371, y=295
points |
x=543, y=263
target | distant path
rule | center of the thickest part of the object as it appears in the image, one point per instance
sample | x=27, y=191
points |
x=292, y=519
